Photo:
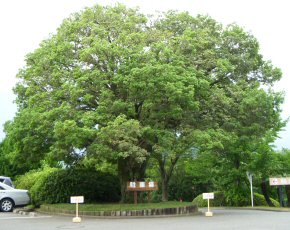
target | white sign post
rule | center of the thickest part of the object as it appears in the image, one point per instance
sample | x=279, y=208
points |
x=250, y=178
x=77, y=200
x=208, y=196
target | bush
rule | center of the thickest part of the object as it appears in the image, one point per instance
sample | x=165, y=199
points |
x=259, y=200
x=220, y=200
x=33, y=181
x=93, y=185
x=181, y=188
x=28, y=180
x=184, y=186
x=57, y=185
x=156, y=197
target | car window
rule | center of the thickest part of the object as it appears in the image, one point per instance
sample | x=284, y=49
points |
x=5, y=186
x=6, y=180
x=1, y=188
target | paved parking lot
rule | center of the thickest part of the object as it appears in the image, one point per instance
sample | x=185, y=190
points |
x=222, y=219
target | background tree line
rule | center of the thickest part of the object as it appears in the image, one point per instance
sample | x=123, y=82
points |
x=148, y=97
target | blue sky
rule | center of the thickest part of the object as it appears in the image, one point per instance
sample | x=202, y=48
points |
x=24, y=24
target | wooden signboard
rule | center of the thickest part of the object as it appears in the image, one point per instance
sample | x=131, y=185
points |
x=279, y=182
x=274, y=181
x=141, y=186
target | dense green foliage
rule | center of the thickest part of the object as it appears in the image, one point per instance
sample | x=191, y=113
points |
x=94, y=186
x=58, y=185
x=181, y=188
x=220, y=200
x=33, y=179
x=116, y=87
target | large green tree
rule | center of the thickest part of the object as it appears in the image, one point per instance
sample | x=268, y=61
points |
x=250, y=131
x=114, y=84
x=230, y=109
x=120, y=142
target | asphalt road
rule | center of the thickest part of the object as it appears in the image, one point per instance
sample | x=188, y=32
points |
x=222, y=219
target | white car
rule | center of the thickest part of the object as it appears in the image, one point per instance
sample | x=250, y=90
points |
x=11, y=197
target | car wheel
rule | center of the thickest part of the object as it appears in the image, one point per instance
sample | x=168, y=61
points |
x=6, y=205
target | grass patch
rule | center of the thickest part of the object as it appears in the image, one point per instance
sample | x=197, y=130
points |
x=116, y=206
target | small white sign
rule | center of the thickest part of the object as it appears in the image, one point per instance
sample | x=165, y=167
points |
x=208, y=196
x=142, y=184
x=76, y=199
x=132, y=184
x=151, y=184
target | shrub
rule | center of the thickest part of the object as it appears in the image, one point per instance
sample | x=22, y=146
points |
x=29, y=179
x=93, y=185
x=184, y=185
x=259, y=200
x=156, y=197
x=220, y=200
x=33, y=181
x=51, y=185
x=181, y=188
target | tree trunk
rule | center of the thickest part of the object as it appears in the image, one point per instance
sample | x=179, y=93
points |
x=166, y=175
x=164, y=189
x=123, y=178
x=288, y=195
x=123, y=184
x=142, y=170
x=265, y=193
x=280, y=195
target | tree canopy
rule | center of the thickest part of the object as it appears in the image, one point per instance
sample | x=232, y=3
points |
x=117, y=85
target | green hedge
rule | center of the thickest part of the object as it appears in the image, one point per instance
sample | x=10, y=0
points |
x=31, y=179
x=260, y=200
x=57, y=186
x=220, y=200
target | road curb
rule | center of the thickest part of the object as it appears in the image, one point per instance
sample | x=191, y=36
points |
x=249, y=208
x=157, y=212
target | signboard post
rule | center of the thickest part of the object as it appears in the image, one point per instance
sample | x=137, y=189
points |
x=250, y=178
x=77, y=200
x=141, y=186
x=208, y=196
